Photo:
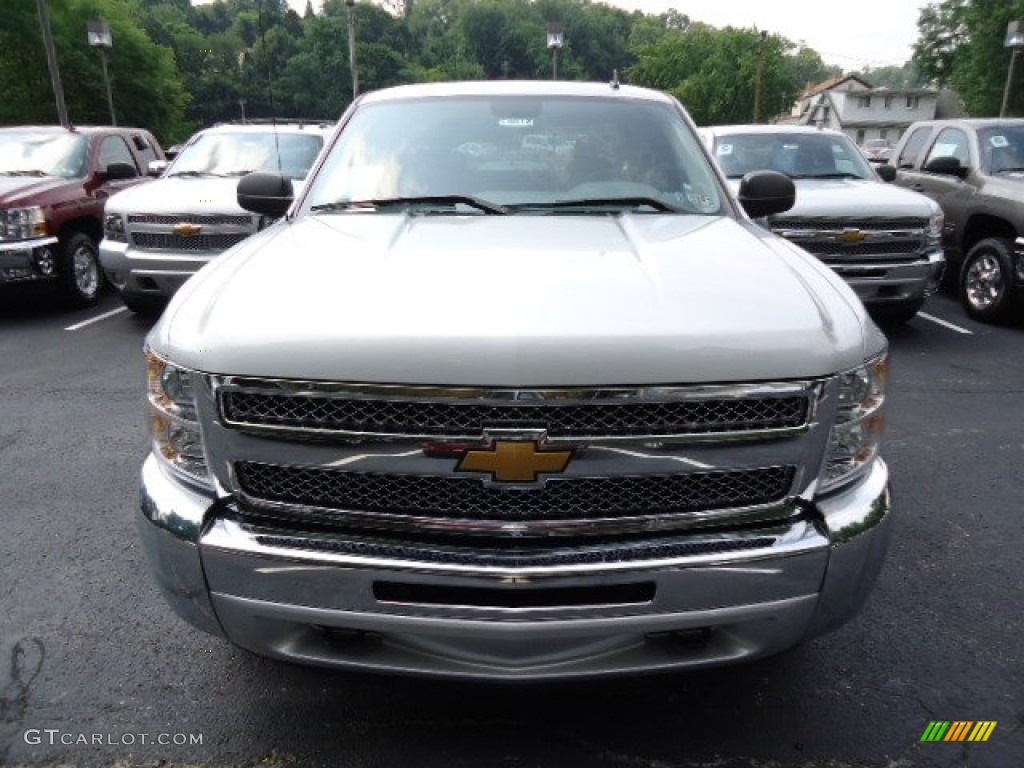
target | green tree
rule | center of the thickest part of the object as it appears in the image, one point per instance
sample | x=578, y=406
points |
x=960, y=45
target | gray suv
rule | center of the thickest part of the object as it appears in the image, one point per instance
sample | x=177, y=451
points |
x=156, y=237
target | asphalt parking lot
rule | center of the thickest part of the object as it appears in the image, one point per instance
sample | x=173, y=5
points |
x=89, y=649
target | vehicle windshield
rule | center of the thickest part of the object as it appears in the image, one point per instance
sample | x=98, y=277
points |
x=235, y=154
x=1002, y=148
x=512, y=154
x=799, y=155
x=877, y=144
x=43, y=153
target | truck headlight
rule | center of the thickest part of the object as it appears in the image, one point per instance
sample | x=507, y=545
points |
x=860, y=421
x=113, y=228
x=934, y=232
x=23, y=223
x=177, y=438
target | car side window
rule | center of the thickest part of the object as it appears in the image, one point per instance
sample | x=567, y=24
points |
x=951, y=142
x=115, y=150
x=912, y=149
x=145, y=148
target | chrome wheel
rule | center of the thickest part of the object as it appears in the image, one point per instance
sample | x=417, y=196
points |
x=984, y=282
x=86, y=271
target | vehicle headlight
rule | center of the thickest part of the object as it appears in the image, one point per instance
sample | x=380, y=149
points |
x=934, y=231
x=860, y=421
x=23, y=223
x=113, y=227
x=177, y=438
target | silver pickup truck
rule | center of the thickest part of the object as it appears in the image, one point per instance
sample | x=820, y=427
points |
x=886, y=242
x=492, y=407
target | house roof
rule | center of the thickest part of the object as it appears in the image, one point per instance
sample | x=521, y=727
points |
x=828, y=85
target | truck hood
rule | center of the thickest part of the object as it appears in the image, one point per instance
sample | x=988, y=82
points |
x=16, y=190
x=179, y=194
x=856, y=198
x=516, y=301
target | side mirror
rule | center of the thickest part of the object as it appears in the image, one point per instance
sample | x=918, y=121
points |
x=118, y=171
x=266, y=193
x=946, y=166
x=886, y=172
x=156, y=167
x=763, y=193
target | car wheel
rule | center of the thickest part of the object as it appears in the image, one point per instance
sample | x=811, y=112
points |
x=896, y=314
x=147, y=306
x=78, y=270
x=985, y=280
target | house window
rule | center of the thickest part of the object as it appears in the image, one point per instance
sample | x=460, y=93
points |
x=913, y=102
x=888, y=102
x=864, y=102
x=860, y=135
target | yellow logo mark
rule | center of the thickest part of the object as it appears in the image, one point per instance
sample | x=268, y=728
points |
x=852, y=236
x=514, y=461
x=187, y=229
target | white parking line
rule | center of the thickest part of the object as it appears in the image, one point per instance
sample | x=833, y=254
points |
x=96, y=319
x=945, y=324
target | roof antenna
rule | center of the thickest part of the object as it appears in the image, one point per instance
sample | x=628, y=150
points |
x=270, y=86
x=615, y=80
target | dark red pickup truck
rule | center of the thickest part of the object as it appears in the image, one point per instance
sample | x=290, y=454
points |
x=54, y=183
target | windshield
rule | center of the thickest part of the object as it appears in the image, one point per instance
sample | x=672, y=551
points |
x=235, y=154
x=27, y=153
x=511, y=153
x=800, y=155
x=1002, y=149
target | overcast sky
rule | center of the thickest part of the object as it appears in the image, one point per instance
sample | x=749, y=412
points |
x=852, y=35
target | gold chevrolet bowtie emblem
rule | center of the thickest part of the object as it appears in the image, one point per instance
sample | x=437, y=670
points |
x=514, y=461
x=187, y=229
x=852, y=236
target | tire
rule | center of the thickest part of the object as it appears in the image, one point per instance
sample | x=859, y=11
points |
x=145, y=306
x=78, y=270
x=986, y=281
x=896, y=314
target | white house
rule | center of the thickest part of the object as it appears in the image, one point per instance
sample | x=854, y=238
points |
x=852, y=105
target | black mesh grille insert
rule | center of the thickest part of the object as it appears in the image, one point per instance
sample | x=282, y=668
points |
x=205, y=219
x=213, y=242
x=431, y=418
x=446, y=497
x=867, y=225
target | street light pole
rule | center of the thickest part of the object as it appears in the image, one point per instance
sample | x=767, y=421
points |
x=99, y=37
x=1014, y=41
x=556, y=39
x=352, y=64
x=51, y=61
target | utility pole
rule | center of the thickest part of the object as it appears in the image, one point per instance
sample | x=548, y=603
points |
x=759, y=77
x=51, y=61
x=352, y=64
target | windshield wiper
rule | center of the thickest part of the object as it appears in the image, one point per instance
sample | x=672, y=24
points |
x=1010, y=170
x=598, y=202
x=196, y=173
x=30, y=172
x=837, y=175
x=426, y=201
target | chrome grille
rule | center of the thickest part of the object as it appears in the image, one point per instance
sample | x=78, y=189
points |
x=206, y=219
x=201, y=242
x=572, y=419
x=319, y=495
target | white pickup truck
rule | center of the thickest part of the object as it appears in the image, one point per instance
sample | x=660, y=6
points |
x=485, y=410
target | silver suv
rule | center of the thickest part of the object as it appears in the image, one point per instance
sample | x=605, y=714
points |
x=156, y=238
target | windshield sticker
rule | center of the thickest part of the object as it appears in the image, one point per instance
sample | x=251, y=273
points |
x=516, y=122
x=999, y=142
x=724, y=149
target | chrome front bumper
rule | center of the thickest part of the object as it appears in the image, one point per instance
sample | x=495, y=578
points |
x=149, y=273
x=283, y=598
x=881, y=284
